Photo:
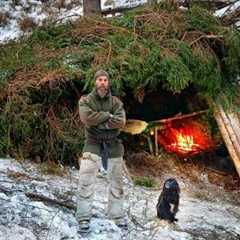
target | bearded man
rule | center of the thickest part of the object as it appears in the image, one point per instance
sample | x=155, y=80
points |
x=102, y=115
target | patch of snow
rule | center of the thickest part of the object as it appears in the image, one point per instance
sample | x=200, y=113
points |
x=38, y=11
x=10, y=164
x=106, y=4
x=228, y=9
x=72, y=14
x=11, y=31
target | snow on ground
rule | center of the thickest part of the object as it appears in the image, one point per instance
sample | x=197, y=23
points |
x=40, y=10
x=228, y=9
x=23, y=218
x=121, y=3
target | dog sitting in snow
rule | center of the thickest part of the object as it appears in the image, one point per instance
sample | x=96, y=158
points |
x=168, y=201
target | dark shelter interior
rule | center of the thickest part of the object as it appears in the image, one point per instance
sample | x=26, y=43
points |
x=161, y=104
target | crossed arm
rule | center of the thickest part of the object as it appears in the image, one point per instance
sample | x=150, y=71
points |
x=117, y=119
x=101, y=119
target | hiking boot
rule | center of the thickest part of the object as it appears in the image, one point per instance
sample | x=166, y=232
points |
x=121, y=223
x=84, y=226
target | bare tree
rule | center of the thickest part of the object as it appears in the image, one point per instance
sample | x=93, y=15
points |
x=91, y=7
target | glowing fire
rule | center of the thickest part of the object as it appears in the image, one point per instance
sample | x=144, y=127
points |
x=185, y=139
x=185, y=143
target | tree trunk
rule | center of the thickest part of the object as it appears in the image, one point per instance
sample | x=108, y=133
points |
x=91, y=7
x=152, y=2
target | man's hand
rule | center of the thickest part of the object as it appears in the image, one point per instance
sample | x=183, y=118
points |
x=114, y=122
x=104, y=125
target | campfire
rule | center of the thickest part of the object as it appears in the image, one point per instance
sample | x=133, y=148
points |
x=185, y=138
x=185, y=135
x=184, y=143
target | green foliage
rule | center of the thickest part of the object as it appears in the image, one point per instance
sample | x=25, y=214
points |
x=50, y=167
x=26, y=126
x=167, y=5
x=176, y=74
x=142, y=54
x=52, y=64
x=128, y=20
x=145, y=182
x=52, y=36
x=16, y=56
x=207, y=76
x=4, y=77
x=143, y=64
x=198, y=18
x=4, y=137
x=232, y=58
x=79, y=60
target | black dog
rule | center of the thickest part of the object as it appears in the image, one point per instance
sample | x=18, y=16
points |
x=169, y=196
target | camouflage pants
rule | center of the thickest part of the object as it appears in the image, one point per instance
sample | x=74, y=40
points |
x=90, y=163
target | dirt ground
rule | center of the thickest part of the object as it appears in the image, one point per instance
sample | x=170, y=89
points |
x=196, y=175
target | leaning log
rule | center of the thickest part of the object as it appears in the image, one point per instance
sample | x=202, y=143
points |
x=229, y=126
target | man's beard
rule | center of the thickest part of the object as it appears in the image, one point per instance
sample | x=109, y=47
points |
x=102, y=91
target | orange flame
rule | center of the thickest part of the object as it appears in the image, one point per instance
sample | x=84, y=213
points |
x=185, y=143
x=185, y=139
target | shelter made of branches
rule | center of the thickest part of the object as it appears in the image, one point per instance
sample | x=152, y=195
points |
x=160, y=47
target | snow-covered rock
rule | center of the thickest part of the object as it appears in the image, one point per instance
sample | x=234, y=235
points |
x=24, y=218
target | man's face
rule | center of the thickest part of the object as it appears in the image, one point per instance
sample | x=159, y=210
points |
x=102, y=82
x=102, y=86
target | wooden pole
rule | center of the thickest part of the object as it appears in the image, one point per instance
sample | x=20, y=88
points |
x=230, y=136
x=179, y=117
x=235, y=124
x=230, y=129
x=156, y=140
x=150, y=145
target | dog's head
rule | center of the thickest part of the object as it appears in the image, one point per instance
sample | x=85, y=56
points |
x=172, y=184
x=171, y=189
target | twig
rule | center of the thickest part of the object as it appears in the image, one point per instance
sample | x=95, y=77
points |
x=50, y=200
x=217, y=171
x=137, y=223
x=206, y=36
